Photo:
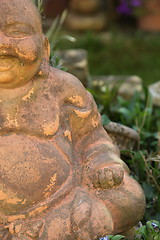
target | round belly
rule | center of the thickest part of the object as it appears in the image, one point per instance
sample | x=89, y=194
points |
x=30, y=171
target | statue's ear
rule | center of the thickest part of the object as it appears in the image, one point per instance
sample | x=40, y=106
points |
x=46, y=48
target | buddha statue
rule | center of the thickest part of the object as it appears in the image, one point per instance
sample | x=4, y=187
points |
x=61, y=177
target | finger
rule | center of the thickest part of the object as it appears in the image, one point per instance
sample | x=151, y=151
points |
x=109, y=177
x=118, y=176
x=102, y=179
x=95, y=181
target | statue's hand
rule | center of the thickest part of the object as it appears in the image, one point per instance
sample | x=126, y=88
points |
x=108, y=177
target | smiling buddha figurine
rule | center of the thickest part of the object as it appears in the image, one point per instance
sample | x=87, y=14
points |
x=60, y=174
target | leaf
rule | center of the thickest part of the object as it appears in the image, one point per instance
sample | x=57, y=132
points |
x=118, y=237
x=124, y=111
x=153, y=226
x=143, y=231
x=105, y=119
x=149, y=190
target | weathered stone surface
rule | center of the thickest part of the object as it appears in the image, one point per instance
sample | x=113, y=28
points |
x=78, y=22
x=76, y=62
x=61, y=176
x=155, y=93
x=127, y=85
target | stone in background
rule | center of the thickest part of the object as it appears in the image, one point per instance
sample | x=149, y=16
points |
x=155, y=93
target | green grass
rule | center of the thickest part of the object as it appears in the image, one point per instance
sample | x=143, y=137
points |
x=122, y=54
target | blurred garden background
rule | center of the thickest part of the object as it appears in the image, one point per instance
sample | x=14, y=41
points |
x=120, y=36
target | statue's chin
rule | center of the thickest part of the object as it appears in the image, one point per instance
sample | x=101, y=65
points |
x=8, y=71
x=5, y=78
x=6, y=63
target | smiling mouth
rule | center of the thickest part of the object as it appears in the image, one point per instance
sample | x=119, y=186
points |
x=7, y=63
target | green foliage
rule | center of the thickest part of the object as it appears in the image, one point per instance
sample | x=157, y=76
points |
x=145, y=169
x=150, y=231
x=53, y=35
x=39, y=4
x=137, y=113
x=117, y=237
x=111, y=237
x=55, y=61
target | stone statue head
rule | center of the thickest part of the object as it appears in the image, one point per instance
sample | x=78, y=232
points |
x=23, y=46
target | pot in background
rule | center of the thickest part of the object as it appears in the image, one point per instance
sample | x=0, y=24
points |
x=124, y=137
x=150, y=20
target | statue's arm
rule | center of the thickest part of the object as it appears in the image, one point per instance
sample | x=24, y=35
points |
x=92, y=145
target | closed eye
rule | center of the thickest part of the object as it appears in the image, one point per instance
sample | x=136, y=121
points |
x=17, y=34
x=18, y=30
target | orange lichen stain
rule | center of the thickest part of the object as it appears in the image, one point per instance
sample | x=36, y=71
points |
x=95, y=121
x=82, y=114
x=11, y=228
x=28, y=95
x=2, y=195
x=15, y=217
x=50, y=186
x=12, y=121
x=76, y=99
x=40, y=73
x=18, y=228
x=50, y=128
x=37, y=210
x=14, y=200
x=67, y=134
x=24, y=201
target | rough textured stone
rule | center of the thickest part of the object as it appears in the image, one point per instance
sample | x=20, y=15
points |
x=61, y=176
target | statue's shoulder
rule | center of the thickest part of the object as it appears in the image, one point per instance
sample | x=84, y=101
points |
x=69, y=88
